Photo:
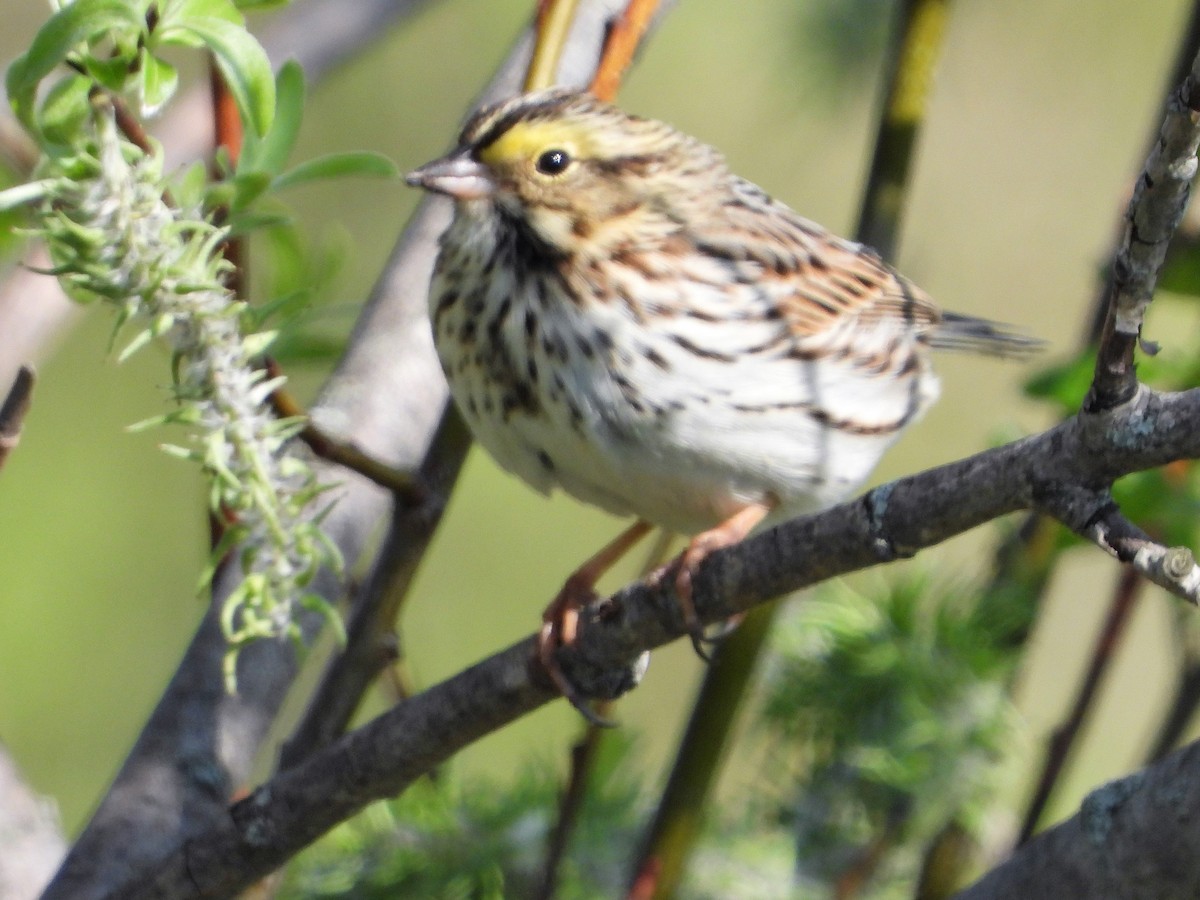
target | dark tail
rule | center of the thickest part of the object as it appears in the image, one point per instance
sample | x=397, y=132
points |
x=967, y=333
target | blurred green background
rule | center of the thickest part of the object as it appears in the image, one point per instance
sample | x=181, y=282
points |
x=1038, y=122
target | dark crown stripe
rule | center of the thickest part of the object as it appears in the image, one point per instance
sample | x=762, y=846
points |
x=489, y=126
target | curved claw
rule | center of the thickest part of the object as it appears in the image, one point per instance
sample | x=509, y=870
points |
x=548, y=642
x=698, y=644
x=729, y=532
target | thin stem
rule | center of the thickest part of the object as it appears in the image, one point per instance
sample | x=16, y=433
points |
x=13, y=411
x=404, y=485
x=667, y=845
x=1179, y=714
x=554, y=18
x=371, y=643
x=227, y=131
x=1125, y=597
x=912, y=61
x=583, y=759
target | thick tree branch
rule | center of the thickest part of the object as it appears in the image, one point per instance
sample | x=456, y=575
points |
x=1132, y=839
x=1063, y=471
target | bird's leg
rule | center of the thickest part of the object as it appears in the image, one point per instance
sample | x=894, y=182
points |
x=726, y=534
x=560, y=621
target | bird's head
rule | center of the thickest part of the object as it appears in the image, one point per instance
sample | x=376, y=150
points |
x=578, y=173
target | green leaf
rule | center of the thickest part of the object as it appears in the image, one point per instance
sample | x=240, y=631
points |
x=270, y=153
x=247, y=188
x=177, y=12
x=140, y=340
x=65, y=109
x=243, y=64
x=64, y=31
x=318, y=604
x=1181, y=272
x=157, y=82
x=112, y=72
x=243, y=223
x=190, y=185
x=1065, y=384
x=337, y=165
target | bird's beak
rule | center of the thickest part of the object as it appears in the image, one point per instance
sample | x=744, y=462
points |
x=456, y=175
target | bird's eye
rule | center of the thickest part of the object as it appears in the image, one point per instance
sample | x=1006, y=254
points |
x=553, y=162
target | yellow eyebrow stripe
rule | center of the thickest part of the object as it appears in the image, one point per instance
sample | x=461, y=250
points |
x=526, y=140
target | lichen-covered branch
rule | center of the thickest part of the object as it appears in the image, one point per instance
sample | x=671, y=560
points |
x=1132, y=839
x=1155, y=209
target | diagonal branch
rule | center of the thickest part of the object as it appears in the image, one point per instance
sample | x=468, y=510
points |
x=1063, y=471
x=13, y=410
x=1157, y=206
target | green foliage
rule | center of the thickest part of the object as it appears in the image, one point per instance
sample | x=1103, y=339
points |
x=888, y=715
x=122, y=233
x=444, y=838
x=117, y=45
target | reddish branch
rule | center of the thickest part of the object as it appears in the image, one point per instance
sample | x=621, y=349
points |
x=620, y=44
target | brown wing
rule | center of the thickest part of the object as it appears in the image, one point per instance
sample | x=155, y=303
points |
x=823, y=284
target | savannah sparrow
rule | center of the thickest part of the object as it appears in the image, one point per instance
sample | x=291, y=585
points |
x=621, y=316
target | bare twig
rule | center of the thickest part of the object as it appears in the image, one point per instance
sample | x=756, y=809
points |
x=1189, y=47
x=894, y=520
x=13, y=411
x=371, y=642
x=129, y=124
x=408, y=489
